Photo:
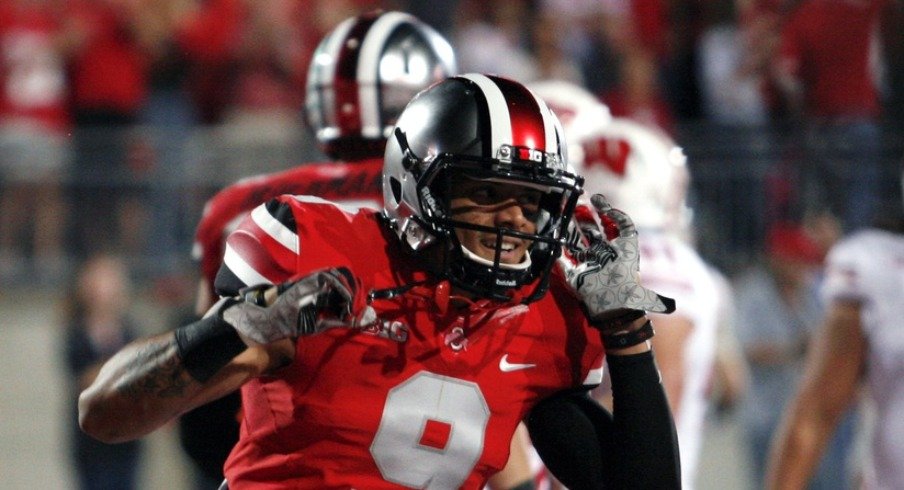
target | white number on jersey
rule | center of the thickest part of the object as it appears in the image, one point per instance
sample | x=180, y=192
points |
x=432, y=432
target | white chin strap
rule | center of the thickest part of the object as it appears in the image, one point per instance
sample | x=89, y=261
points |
x=524, y=264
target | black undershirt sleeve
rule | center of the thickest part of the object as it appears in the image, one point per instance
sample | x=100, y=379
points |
x=644, y=429
x=227, y=283
x=586, y=447
x=570, y=432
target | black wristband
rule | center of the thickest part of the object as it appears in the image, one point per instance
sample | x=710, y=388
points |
x=623, y=339
x=616, y=323
x=207, y=345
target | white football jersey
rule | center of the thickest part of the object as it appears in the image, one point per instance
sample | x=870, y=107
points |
x=869, y=267
x=671, y=267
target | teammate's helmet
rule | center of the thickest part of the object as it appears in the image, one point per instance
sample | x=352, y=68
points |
x=574, y=105
x=483, y=127
x=638, y=168
x=362, y=75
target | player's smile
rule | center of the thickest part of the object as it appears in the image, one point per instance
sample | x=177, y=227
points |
x=495, y=205
x=513, y=249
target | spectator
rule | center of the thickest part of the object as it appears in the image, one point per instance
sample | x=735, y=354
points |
x=168, y=120
x=826, y=75
x=492, y=37
x=108, y=83
x=732, y=66
x=97, y=325
x=553, y=59
x=777, y=310
x=33, y=149
x=733, y=54
x=635, y=32
x=262, y=118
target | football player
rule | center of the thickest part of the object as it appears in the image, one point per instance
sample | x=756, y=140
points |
x=361, y=76
x=404, y=346
x=860, y=345
x=643, y=173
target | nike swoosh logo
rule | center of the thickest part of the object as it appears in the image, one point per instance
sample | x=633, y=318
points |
x=507, y=367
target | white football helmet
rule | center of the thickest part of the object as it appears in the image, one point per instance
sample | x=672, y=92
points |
x=362, y=75
x=638, y=168
x=574, y=105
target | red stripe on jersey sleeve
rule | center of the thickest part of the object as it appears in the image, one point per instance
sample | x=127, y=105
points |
x=256, y=256
x=261, y=252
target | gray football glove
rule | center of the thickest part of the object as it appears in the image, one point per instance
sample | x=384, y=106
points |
x=319, y=301
x=606, y=272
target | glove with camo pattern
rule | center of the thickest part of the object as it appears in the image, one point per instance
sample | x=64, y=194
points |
x=604, y=269
x=316, y=302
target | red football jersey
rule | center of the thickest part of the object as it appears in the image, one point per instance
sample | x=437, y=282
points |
x=427, y=398
x=358, y=183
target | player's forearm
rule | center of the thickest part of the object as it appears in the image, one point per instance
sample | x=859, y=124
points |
x=790, y=473
x=146, y=385
x=139, y=389
x=798, y=447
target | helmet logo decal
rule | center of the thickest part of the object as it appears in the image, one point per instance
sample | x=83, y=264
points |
x=530, y=154
x=611, y=154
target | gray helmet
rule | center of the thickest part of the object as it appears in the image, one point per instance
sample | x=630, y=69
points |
x=488, y=128
x=362, y=75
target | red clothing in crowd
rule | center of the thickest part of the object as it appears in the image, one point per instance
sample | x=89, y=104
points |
x=108, y=70
x=826, y=45
x=209, y=37
x=32, y=72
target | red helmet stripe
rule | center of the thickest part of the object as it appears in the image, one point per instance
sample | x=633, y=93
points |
x=528, y=122
x=517, y=116
x=346, y=86
x=320, y=103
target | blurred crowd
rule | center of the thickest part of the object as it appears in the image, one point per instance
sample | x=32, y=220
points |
x=101, y=101
x=111, y=110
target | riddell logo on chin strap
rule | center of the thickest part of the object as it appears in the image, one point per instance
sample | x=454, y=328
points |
x=388, y=329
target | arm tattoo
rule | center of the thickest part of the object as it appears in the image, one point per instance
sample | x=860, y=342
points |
x=155, y=370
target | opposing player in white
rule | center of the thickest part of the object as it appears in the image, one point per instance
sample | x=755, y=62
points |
x=643, y=173
x=860, y=344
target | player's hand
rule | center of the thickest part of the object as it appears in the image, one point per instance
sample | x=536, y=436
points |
x=301, y=306
x=602, y=265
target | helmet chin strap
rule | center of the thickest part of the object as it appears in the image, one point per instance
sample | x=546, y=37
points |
x=523, y=265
